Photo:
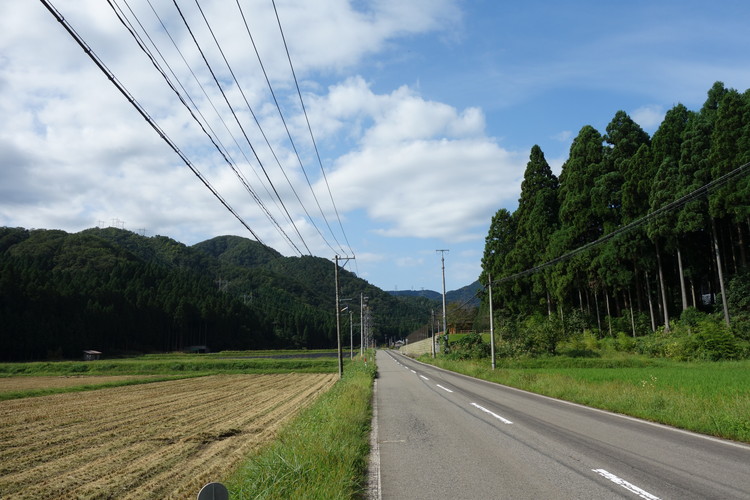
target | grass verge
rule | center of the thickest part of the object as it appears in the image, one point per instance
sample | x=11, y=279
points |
x=322, y=453
x=707, y=397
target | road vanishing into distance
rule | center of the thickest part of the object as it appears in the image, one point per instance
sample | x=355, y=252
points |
x=437, y=434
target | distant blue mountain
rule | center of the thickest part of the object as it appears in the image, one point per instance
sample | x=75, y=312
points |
x=467, y=294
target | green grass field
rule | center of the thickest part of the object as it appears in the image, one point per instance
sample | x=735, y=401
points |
x=165, y=367
x=708, y=397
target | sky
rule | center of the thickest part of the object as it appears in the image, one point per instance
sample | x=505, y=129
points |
x=421, y=114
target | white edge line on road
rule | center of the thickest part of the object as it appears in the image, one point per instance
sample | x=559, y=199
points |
x=374, y=487
x=444, y=388
x=424, y=377
x=628, y=486
x=412, y=370
x=502, y=419
x=734, y=444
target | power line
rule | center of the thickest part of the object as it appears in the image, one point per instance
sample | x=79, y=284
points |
x=229, y=105
x=222, y=150
x=289, y=135
x=158, y=59
x=100, y=64
x=219, y=116
x=312, y=137
x=257, y=122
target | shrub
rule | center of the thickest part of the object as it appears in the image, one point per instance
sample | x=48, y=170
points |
x=624, y=343
x=714, y=341
x=470, y=346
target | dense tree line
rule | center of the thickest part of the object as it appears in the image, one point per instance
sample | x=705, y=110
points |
x=118, y=292
x=689, y=258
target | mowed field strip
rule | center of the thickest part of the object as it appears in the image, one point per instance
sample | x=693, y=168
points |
x=12, y=384
x=157, y=440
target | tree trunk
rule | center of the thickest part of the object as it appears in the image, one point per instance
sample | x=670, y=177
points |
x=692, y=292
x=549, y=305
x=650, y=303
x=683, y=290
x=638, y=290
x=632, y=316
x=609, y=314
x=596, y=303
x=720, y=272
x=562, y=314
x=729, y=243
x=663, y=288
x=741, y=239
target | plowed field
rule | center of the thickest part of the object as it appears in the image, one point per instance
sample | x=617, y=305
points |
x=159, y=440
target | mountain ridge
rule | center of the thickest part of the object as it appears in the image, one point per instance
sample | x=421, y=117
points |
x=117, y=291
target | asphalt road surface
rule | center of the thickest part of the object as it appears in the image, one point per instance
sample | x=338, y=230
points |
x=440, y=435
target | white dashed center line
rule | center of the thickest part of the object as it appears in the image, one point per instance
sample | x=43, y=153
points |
x=502, y=419
x=628, y=486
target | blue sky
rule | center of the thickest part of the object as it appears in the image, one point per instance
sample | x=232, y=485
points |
x=423, y=111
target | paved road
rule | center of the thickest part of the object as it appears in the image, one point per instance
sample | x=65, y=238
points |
x=444, y=435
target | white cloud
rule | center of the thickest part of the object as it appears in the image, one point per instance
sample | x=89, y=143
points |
x=563, y=136
x=409, y=261
x=648, y=117
x=75, y=151
x=422, y=169
x=368, y=257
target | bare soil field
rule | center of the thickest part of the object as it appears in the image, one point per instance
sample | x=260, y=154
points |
x=9, y=384
x=160, y=440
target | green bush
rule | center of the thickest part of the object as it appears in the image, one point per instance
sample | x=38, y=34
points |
x=714, y=342
x=696, y=336
x=470, y=346
x=624, y=342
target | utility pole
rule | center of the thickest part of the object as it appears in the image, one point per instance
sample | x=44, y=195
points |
x=338, y=314
x=351, y=335
x=432, y=330
x=362, y=299
x=445, y=323
x=492, y=324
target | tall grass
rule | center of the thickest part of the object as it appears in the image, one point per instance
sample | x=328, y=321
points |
x=171, y=365
x=707, y=397
x=323, y=453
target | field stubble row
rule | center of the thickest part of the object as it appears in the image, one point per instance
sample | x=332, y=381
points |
x=160, y=440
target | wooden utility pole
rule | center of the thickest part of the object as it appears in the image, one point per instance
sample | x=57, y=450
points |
x=338, y=315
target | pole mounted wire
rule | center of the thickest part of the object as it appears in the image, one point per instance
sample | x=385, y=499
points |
x=137, y=29
x=113, y=79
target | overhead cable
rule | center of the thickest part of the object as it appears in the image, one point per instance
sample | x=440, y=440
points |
x=289, y=135
x=218, y=115
x=222, y=151
x=257, y=122
x=229, y=104
x=309, y=128
x=120, y=87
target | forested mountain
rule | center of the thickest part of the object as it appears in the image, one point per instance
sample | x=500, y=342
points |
x=466, y=295
x=672, y=258
x=116, y=291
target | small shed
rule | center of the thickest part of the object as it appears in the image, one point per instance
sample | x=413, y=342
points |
x=91, y=355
